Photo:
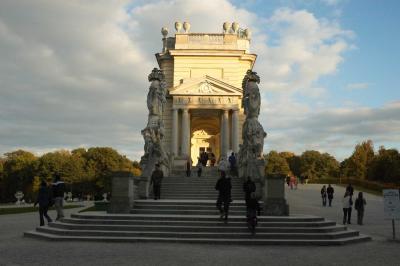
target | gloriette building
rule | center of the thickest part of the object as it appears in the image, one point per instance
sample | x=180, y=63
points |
x=203, y=78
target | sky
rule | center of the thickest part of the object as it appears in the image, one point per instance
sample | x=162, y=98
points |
x=74, y=73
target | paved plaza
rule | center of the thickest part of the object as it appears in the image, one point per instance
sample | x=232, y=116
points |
x=17, y=250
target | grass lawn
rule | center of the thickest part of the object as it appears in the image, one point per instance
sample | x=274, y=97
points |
x=89, y=209
x=30, y=209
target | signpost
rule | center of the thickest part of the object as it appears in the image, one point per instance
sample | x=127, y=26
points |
x=391, y=201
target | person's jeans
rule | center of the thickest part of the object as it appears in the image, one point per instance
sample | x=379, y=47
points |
x=157, y=191
x=43, y=212
x=346, y=215
x=58, y=205
x=360, y=216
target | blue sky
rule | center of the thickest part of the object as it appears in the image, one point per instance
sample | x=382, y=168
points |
x=74, y=73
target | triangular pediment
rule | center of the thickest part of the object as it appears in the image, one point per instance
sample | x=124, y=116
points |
x=205, y=86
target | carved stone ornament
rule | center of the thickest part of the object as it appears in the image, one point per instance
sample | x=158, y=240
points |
x=206, y=87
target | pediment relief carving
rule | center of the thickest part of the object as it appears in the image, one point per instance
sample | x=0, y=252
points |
x=205, y=86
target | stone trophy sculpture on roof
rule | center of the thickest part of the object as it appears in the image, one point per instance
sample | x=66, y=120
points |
x=153, y=134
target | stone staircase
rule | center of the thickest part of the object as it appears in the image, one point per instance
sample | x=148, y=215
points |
x=186, y=213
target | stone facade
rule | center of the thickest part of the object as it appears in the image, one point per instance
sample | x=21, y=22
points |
x=203, y=76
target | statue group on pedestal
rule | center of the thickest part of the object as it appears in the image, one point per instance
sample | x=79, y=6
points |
x=251, y=162
x=153, y=134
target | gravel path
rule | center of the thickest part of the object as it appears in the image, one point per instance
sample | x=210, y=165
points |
x=17, y=250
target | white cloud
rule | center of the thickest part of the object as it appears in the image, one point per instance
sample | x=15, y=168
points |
x=358, y=86
x=304, y=49
x=332, y=2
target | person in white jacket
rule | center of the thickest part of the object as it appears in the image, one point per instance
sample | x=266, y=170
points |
x=347, y=202
x=222, y=166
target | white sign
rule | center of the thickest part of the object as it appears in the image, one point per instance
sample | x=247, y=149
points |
x=391, y=202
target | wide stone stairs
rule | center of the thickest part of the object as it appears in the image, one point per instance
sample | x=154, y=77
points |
x=186, y=213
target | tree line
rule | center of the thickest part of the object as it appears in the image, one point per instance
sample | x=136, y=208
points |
x=363, y=164
x=86, y=172
x=89, y=172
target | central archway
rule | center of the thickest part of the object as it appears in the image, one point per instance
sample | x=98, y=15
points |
x=205, y=133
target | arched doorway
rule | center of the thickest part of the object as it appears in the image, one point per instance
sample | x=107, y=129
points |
x=205, y=133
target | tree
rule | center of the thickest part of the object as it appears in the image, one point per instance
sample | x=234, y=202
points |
x=19, y=169
x=53, y=163
x=357, y=164
x=102, y=161
x=275, y=164
x=314, y=165
x=293, y=162
x=2, y=174
x=385, y=166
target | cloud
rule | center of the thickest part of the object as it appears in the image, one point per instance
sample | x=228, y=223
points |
x=332, y=2
x=75, y=74
x=357, y=86
x=304, y=49
x=334, y=130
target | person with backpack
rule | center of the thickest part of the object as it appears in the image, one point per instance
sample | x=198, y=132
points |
x=323, y=195
x=359, y=205
x=224, y=187
x=45, y=201
x=330, y=192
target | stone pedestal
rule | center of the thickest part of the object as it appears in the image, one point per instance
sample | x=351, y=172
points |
x=274, y=196
x=123, y=191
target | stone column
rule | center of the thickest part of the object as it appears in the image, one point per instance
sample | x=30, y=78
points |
x=225, y=133
x=235, y=131
x=174, y=146
x=185, y=132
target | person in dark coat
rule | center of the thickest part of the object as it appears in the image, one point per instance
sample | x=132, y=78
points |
x=188, y=168
x=232, y=164
x=359, y=205
x=58, y=189
x=248, y=187
x=350, y=189
x=323, y=195
x=156, y=179
x=330, y=192
x=253, y=209
x=224, y=187
x=44, y=199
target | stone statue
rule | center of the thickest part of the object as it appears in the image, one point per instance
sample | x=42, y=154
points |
x=251, y=161
x=153, y=134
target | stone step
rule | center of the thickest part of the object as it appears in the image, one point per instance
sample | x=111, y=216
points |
x=214, y=227
x=230, y=235
x=139, y=206
x=186, y=202
x=184, y=212
x=270, y=220
x=226, y=241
